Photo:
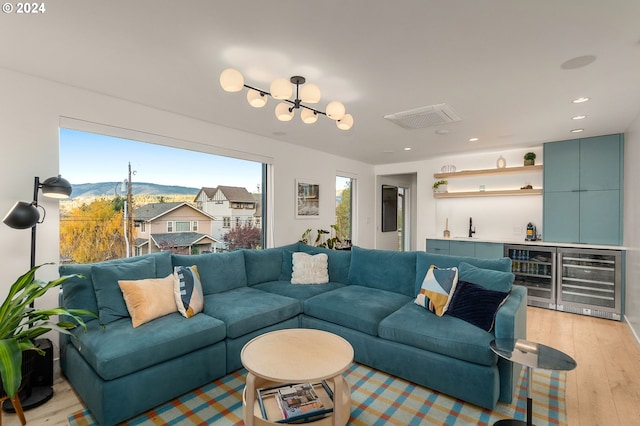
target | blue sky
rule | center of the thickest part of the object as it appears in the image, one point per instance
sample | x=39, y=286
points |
x=90, y=158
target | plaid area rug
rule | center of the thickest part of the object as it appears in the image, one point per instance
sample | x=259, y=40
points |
x=376, y=399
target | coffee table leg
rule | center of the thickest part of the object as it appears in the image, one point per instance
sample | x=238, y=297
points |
x=341, y=407
x=250, y=399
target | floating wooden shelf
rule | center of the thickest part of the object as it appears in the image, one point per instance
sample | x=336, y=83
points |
x=486, y=172
x=505, y=192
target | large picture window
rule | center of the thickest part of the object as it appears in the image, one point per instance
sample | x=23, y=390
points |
x=129, y=194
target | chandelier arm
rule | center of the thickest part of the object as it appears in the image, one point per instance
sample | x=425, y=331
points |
x=296, y=103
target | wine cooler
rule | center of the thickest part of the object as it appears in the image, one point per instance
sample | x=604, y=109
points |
x=581, y=281
x=535, y=268
x=589, y=282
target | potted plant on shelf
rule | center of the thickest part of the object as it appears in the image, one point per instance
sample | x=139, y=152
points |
x=530, y=159
x=20, y=324
x=440, y=186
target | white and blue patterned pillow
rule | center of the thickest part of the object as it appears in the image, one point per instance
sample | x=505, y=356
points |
x=187, y=290
x=437, y=288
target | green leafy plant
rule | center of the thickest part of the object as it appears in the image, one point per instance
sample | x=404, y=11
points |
x=20, y=324
x=321, y=238
x=530, y=156
x=437, y=184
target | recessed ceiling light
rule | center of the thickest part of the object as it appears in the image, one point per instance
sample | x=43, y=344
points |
x=579, y=117
x=577, y=130
x=442, y=132
x=407, y=149
x=580, y=100
x=474, y=140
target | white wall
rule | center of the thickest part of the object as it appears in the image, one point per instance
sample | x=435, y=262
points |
x=499, y=218
x=32, y=109
x=632, y=225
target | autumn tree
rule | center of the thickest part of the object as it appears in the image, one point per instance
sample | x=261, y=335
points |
x=343, y=214
x=243, y=236
x=93, y=232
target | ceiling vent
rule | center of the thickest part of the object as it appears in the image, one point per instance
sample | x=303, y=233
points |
x=428, y=116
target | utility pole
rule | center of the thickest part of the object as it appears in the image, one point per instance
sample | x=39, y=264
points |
x=129, y=217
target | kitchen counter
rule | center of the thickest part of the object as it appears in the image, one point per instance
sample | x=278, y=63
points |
x=531, y=243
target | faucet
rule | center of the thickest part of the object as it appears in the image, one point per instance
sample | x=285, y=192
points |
x=472, y=230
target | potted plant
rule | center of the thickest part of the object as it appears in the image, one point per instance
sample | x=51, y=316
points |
x=530, y=159
x=20, y=324
x=321, y=240
x=440, y=186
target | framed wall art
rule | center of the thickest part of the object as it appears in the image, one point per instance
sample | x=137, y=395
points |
x=307, y=199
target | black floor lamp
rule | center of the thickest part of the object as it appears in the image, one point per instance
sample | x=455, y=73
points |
x=26, y=215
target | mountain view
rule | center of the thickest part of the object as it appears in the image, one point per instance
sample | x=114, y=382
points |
x=90, y=190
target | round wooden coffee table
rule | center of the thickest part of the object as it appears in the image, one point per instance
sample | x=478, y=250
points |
x=297, y=356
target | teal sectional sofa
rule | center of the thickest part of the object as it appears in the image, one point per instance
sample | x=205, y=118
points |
x=120, y=371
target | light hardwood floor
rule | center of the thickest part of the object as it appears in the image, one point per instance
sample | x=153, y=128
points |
x=603, y=390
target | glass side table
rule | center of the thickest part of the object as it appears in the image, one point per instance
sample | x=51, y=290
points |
x=531, y=355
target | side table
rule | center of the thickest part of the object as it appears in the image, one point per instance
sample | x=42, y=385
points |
x=531, y=355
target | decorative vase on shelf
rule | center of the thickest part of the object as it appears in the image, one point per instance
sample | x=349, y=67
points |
x=501, y=163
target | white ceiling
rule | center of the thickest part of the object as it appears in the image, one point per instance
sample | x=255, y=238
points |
x=497, y=63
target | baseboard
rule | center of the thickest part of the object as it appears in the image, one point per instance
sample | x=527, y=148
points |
x=633, y=331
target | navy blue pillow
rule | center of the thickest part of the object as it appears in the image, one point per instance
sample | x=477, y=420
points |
x=475, y=304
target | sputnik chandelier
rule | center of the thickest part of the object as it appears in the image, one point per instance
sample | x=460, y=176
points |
x=232, y=80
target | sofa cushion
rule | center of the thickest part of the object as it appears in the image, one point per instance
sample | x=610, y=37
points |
x=425, y=260
x=148, y=299
x=246, y=309
x=218, y=271
x=187, y=290
x=384, y=269
x=119, y=349
x=356, y=307
x=78, y=291
x=437, y=288
x=475, y=304
x=111, y=306
x=446, y=335
x=310, y=268
x=487, y=278
x=300, y=292
x=339, y=262
x=263, y=265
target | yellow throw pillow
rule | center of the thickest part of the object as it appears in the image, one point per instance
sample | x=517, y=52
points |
x=148, y=299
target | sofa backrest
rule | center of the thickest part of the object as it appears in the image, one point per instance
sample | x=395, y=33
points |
x=383, y=269
x=218, y=271
x=79, y=292
x=268, y=264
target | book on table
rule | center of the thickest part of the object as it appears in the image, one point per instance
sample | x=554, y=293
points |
x=295, y=402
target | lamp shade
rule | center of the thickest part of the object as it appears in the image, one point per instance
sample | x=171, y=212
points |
x=310, y=93
x=345, y=123
x=284, y=112
x=308, y=116
x=281, y=88
x=23, y=215
x=256, y=99
x=335, y=110
x=231, y=80
x=56, y=187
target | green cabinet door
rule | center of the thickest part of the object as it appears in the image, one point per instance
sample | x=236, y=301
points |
x=561, y=166
x=600, y=217
x=600, y=160
x=437, y=246
x=462, y=248
x=561, y=217
x=489, y=250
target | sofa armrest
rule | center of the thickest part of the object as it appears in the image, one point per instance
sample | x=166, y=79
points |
x=511, y=318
